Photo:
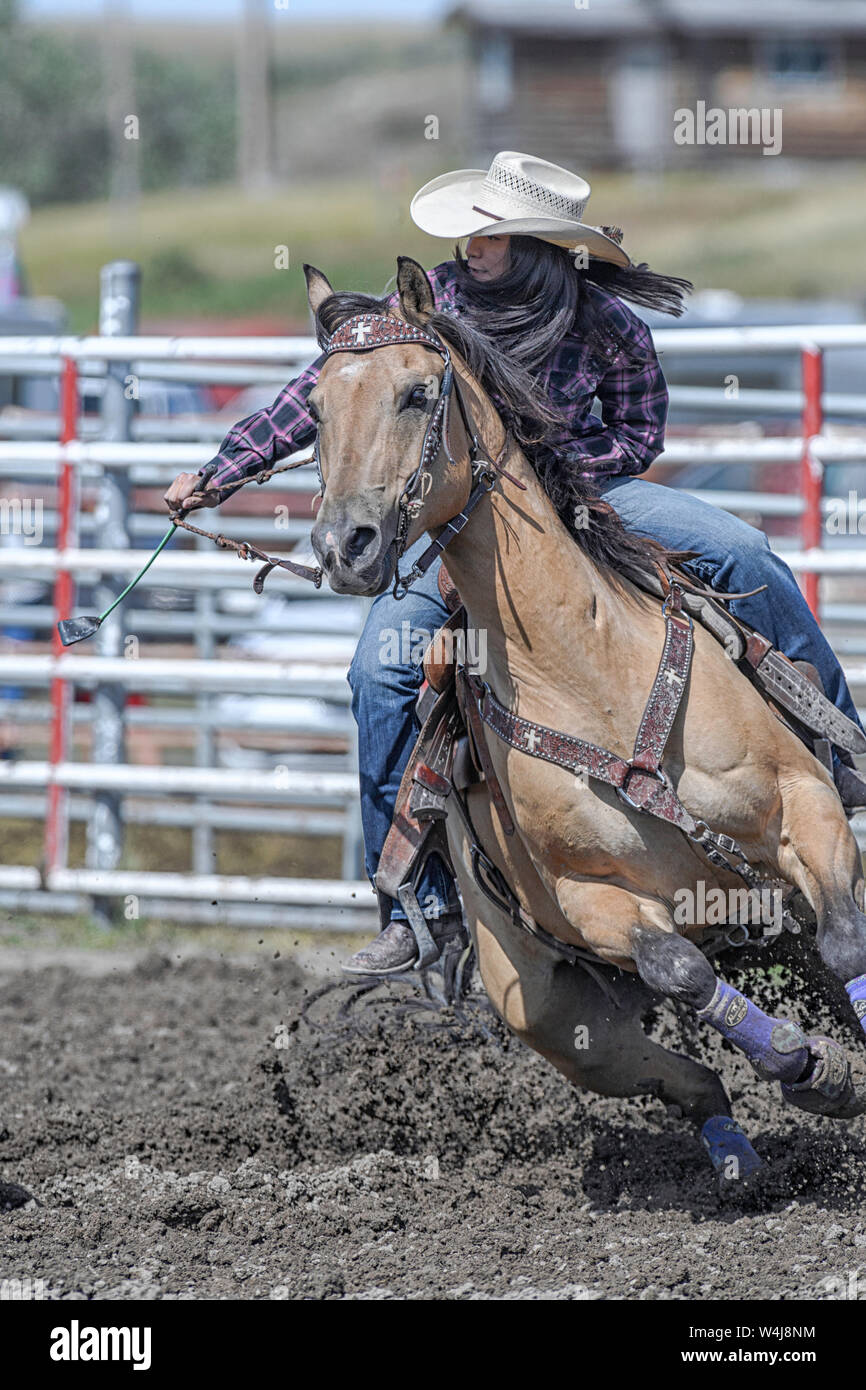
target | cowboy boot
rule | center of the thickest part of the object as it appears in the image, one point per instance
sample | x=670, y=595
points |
x=395, y=949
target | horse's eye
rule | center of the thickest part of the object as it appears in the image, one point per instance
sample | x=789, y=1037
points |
x=416, y=399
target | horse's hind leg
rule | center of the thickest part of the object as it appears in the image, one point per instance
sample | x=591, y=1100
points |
x=820, y=854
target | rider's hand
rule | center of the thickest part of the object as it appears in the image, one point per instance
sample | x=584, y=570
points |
x=189, y=491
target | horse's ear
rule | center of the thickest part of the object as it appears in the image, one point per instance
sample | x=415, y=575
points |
x=415, y=291
x=318, y=288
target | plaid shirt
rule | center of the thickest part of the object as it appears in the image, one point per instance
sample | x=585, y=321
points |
x=624, y=374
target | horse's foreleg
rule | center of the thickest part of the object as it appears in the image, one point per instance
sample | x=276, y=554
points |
x=596, y=1039
x=814, y=1072
x=594, y=1035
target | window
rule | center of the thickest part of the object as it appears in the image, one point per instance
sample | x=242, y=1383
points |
x=495, y=73
x=808, y=62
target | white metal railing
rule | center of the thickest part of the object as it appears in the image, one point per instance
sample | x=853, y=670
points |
x=150, y=462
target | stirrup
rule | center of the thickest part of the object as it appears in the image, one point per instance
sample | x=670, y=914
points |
x=428, y=951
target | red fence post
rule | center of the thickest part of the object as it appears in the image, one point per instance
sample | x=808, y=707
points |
x=811, y=469
x=57, y=807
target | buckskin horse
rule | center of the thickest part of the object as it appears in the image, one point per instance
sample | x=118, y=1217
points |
x=611, y=732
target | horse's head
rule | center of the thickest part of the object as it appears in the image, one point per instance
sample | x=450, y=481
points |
x=374, y=410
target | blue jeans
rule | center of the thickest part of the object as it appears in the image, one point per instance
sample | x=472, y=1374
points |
x=733, y=556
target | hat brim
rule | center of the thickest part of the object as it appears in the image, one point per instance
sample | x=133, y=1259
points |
x=448, y=207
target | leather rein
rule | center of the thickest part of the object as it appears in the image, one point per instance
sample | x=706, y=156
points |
x=364, y=333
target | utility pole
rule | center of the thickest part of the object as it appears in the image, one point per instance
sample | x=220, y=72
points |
x=121, y=116
x=254, y=98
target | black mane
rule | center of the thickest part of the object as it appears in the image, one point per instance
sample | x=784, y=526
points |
x=592, y=522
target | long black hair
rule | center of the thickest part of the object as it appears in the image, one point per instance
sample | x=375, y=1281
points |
x=542, y=295
x=594, y=524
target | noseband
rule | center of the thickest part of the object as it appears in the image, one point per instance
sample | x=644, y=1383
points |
x=365, y=333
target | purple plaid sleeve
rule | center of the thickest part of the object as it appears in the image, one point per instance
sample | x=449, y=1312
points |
x=633, y=396
x=630, y=388
x=267, y=435
x=631, y=391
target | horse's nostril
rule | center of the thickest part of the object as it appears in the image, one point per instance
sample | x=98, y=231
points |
x=356, y=542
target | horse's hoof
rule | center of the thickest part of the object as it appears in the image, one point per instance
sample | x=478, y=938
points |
x=829, y=1088
x=748, y=1188
x=730, y=1153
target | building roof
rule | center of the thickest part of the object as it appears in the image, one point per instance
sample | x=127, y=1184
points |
x=637, y=17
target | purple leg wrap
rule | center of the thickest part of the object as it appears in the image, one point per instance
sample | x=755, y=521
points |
x=730, y=1152
x=775, y=1047
x=857, y=994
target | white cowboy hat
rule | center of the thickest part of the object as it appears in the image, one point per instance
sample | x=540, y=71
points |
x=518, y=195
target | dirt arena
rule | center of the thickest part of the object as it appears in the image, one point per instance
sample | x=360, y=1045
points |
x=175, y=1127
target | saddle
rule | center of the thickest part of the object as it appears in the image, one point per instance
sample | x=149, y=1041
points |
x=451, y=751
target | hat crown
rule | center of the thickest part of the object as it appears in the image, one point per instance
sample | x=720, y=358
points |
x=554, y=192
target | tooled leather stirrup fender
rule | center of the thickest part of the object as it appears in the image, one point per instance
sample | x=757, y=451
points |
x=475, y=727
x=448, y=589
x=783, y=681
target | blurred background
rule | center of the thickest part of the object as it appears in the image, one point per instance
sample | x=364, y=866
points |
x=219, y=145
x=311, y=124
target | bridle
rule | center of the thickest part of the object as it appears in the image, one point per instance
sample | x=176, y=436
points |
x=365, y=333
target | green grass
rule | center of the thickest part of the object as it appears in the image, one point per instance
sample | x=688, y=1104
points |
x=210, y=252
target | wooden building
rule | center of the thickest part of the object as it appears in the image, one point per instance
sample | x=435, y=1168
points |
x=600, y=82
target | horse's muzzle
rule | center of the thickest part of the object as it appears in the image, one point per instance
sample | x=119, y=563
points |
x=354, y=557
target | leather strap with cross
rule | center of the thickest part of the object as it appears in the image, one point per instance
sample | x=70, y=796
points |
x=640, y=780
